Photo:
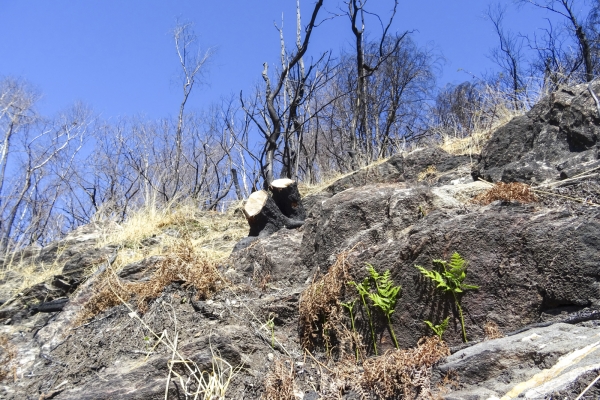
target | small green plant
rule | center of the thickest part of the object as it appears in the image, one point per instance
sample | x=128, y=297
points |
x=271, y=325
x=438, y=329
x=363, y=291
x=450, y=279
x=386, y=295
x=350, y=306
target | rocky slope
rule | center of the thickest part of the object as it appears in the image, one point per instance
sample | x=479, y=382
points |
x=532, y=323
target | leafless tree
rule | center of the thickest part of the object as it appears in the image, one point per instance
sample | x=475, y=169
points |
x=584, y=34
x=281, y=101
x=508, y=56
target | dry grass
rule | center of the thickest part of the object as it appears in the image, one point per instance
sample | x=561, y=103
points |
x=496, y=111
x=492, y=331
x=195, y=268
x=429, y=174
x=20, y=272
x=514, y=191
x=214, y=232
x=279, y=382
x=404, y=372
x=8, y=354
x=307, y=189
x=320, y=312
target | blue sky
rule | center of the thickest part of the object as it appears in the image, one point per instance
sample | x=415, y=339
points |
x=118, y=57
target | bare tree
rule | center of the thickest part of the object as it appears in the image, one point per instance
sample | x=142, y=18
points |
x=270, y=120
x=577, y=28
x=508, y=56
x=192, y=61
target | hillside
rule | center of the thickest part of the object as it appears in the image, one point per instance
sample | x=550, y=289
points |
x=160, y=307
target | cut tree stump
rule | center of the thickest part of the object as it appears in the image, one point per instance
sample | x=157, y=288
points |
x=265, y=217
x=287, y=197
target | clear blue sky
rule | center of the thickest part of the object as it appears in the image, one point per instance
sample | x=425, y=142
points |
x=117, y=56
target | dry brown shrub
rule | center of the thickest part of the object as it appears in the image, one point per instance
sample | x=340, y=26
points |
x=279, y=382
x=429, y=174
x=492, y=331
x=182, y=264
x=8, y=353
x=514, y=191
x=321, y=315
x=404, y=372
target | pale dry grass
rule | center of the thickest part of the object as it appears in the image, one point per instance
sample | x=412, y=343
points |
x=307, y=189
x=19, y=272
x=497, y=110
x=214, y=232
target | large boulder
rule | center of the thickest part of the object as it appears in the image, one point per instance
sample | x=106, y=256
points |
x=554, y=362
x=558, y=138
x=527, y=263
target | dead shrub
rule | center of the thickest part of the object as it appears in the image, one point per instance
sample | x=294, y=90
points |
x=182, y=264
x=492, y=331
x=279, y=382
x=514, y=191
x=8, y=353
x=321, y=315
x=404, y=373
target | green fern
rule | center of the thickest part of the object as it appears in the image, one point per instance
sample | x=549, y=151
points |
x=386, y=295
x=438, y=329
x=450, y=279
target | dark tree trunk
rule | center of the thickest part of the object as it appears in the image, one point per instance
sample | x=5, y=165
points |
x=288, y=200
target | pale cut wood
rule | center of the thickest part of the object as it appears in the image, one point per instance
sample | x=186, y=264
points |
x=255, y=203
x=281, y=183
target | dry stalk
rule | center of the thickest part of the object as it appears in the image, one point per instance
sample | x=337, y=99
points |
x=279, y=382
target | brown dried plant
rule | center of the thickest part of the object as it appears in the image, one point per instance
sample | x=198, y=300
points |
x=279, y=382
x=514, y=191
x=492, y=331
x=182, y=264
x=8, y=353
x=321, y=318
x=405, y=373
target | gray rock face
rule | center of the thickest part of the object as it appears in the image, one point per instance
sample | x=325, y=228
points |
x=557, y=139
x=541, y=363
x=525, y=262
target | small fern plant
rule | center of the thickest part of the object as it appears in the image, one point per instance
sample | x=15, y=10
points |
x=450, y=279
x=363, y=290
x=385, y=297
x=438, y=329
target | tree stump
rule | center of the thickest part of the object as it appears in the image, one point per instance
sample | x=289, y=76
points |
x=265, y=217
x=287, y=197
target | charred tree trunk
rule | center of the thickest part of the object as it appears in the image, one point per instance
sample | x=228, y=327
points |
x=287, y=198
